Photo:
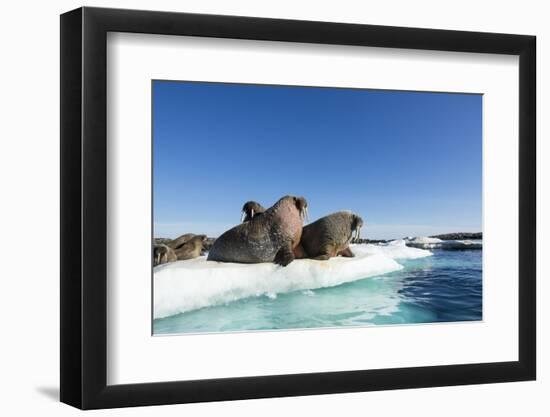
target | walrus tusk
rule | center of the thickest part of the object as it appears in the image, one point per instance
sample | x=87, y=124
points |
x=252, y=213
x=358, y=233
x=305, y=214
x=243, y=215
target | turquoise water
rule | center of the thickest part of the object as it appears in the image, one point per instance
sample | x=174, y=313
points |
x=444, y=287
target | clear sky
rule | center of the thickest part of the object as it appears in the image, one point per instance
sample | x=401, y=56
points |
x=409, y=163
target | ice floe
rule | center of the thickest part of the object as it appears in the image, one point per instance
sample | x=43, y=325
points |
x=188, y=285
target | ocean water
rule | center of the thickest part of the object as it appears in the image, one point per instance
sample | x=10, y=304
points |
x=419, y=287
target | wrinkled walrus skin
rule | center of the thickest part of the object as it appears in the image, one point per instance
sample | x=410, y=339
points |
x=270, y=237
x=330, y=236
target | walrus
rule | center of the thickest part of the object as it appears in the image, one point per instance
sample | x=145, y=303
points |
x=190, y=249
x=180, y=240
x=251, y=209
x=331, y=235
x=270, y=237
x=163, y=254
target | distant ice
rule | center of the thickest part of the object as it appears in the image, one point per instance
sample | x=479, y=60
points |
x=189, y=285
x=433, y=243
x=424, y=242
x=396, y=249
x=462, y=244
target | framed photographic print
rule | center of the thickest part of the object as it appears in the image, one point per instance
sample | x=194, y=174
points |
x=258, y=207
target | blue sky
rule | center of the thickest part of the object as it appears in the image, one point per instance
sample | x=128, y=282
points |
x=409, y=163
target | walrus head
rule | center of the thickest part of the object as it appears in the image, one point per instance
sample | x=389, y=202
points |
x=301, y=205
x=163, y=254
x=195, y=242
x=251, y=209
x=198, y=240
x=356, y=225
x=299, y=202
x=291, y=201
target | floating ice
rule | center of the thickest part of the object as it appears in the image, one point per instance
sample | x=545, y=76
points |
x=433, y=243
x=396, y=249
x=188, y=285
x=462, y=244
x=424, y=242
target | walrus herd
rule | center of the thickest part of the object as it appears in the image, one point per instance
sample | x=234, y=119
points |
x=185, y=247
x=276, y=234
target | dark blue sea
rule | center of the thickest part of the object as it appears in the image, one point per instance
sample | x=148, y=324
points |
x=444, y=287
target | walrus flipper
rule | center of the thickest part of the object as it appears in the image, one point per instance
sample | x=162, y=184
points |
x=284, y=256
x=299, y=252
x=326, y=252
x=346, y=253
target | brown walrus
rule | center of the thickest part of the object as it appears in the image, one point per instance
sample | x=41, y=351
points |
x=251, y=209
x=331, y=235
x=180, y=240
x=270, y=237
x=190, y=249
x=163, y=254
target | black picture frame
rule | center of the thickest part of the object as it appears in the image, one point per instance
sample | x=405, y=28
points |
x=84, y=207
